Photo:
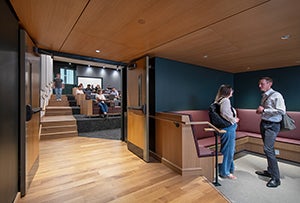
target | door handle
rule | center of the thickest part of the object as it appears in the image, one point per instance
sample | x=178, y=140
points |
x=30, y=111
x=142, y=108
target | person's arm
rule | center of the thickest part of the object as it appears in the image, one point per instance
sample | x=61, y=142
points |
x=226, y=112
x=278, y=108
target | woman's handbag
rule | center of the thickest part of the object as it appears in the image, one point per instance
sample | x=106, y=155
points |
x=287, y=123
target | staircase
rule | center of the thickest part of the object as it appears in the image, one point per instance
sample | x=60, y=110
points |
x=58, y=121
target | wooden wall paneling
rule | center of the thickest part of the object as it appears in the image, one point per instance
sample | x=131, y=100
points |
x=177, y=147
x=135, y=126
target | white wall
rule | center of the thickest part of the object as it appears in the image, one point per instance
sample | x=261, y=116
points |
x=46, y=80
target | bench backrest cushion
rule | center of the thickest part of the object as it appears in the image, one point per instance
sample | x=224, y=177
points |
x=198, y=115
x=250, y=121
x=293, y=134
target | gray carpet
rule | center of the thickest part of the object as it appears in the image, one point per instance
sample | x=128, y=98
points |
x=113, y=134
x=251, y=188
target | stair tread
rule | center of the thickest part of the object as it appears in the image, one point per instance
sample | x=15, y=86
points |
x=58, y=107
x=59, y=126
x=59, y=133
x=58, y=118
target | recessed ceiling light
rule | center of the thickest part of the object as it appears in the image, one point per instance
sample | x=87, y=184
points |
x=205, y=56
x=284, y=37
x=141, y=21
x=97, y=51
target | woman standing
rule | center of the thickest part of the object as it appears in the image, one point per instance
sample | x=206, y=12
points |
x=227, y=139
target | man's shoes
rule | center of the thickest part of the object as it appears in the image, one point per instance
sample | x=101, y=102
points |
x=263, y=173
x=273, y=183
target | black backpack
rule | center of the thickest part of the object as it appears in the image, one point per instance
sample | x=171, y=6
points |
x=215, y=118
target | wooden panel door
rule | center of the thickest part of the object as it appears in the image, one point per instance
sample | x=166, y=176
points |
x=30, y=100
x=138, y=108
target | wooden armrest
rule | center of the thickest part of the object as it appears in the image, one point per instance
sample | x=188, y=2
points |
x=212, y=130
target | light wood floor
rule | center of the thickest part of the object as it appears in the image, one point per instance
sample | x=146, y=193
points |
x=79, y=169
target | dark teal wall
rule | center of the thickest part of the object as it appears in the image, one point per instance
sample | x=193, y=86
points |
x=181, y=86
x=285, y=80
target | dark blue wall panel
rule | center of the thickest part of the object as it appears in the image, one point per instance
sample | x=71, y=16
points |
x=285, y=80
x=181, y=86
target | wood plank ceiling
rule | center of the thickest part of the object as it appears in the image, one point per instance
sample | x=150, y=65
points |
x=229, y=35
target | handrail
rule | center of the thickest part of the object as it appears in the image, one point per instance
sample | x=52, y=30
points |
x=212, y=127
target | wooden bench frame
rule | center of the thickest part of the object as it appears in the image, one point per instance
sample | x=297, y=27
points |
x=176, y=147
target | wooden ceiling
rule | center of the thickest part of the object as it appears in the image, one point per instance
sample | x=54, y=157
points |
x=229, y=35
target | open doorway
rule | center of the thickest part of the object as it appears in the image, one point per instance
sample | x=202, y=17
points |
x=85, y=109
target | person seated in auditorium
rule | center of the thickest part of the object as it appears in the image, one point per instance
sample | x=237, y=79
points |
x=97, y=88
x=115, y=93
x=101, y=103
x=88, y=92
x=79, y=90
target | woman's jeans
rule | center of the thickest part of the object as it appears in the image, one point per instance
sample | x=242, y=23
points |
x=228, y=149
x=103, y=107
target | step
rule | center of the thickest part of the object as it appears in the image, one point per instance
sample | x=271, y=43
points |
x=58, y=103
x=63, y=97
x=57, y=112
x=58, y=128
x=59, y=135
x=58, y=120
x=72, y=103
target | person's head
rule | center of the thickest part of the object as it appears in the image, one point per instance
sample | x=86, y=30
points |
x=99, y=91
x=224, y=91
x=265, y=83
x=57, y=75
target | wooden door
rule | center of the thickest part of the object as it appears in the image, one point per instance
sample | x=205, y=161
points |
x=138, y=108
x=30, y=95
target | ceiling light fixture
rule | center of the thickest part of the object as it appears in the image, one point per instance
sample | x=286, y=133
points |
x=141, y=21
x=205, y=56
x=97, y=51
x=284, y=37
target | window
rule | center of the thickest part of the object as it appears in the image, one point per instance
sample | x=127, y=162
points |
x=67, y=75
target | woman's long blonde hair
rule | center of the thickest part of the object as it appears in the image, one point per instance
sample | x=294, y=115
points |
x=224, y=91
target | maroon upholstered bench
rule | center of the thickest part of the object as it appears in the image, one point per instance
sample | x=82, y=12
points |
x=247, y=135
x=287, y=142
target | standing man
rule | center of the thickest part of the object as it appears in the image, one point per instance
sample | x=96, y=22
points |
x=58, y=86
x=271, y=109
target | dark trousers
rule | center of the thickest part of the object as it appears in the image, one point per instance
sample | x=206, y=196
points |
x=269, y=132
